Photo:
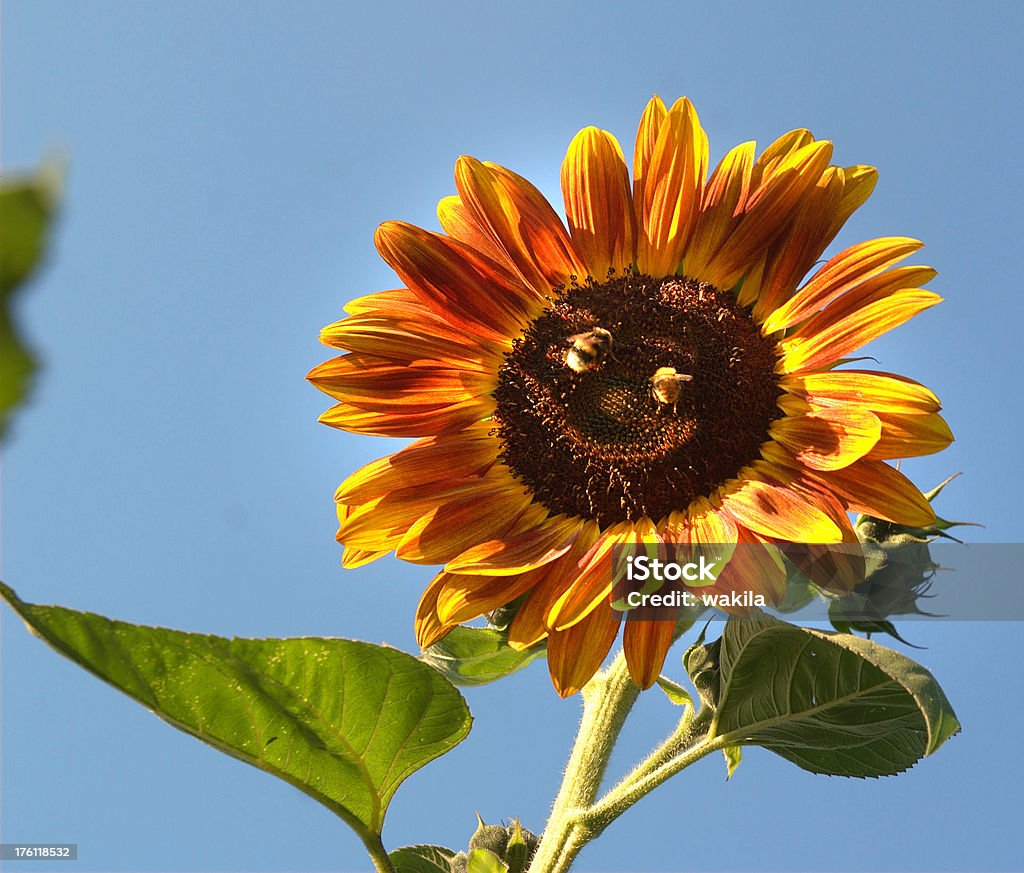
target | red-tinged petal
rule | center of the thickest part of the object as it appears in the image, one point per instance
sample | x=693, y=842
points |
x=521, y=222
x=724, y=198
x=875, y=488
x=840, y=274
x=432, y=460
x=410, y=339
x=556, y=577
x=822, y=341
x=429, y=628
x=670, y=191
x=449, y=529
x=575, y=654
x=793, y=254
x=384, y=303
x=459, y=283
x=910, y=436
x=827, y=439
x=597, y=575
x=598, y=203
x=867, y=292
x=464, y=598
x=879, y=392
x=526, y=550
x=397, y=423
x=645, y=644
x=777, y=512
x=768, y=212
x=458, y=222
x=380, y=524
x=755, y=567
x=375, y=382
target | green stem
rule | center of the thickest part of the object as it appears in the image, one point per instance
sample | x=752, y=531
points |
x=688, y=744
x=379, y=855
x=607, y=700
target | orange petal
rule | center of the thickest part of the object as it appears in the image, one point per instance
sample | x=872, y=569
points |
x=452, y=527
x=767, y=212
x=511, y=555
x=778, y=152
x=778, y=512
x=598, y=203
x=458, y=222
x=875, y=488
x=381, y=524
x=464, y=598
x=645, y=644
x=910, y=436
x=722, y=204
x=597, y=575
x=879, y=392
x=353, y=558
x=399, y=423
x=459, y=283
x=822, y=341
x=429, y=628
x=669, y=186
x=529, y=625
x=755, y=567
x=520, y=221
x=383, y=383
x=575, y=654
x=646, y=137
x=410, y=339
x=841, y=273
x=792, y=255
x=431, y=460
x=827, y=439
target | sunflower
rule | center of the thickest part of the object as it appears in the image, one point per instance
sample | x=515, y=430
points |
x=654, y=373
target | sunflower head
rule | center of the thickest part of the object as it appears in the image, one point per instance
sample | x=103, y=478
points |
x=659, y=371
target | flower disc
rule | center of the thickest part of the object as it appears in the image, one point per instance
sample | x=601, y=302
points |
x=600, y=443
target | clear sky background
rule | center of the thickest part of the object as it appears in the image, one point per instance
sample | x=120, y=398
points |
x=229, y=162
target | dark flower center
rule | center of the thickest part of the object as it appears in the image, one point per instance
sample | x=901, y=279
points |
x=632, y=397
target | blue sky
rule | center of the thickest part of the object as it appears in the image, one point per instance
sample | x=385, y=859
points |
x=228, y=165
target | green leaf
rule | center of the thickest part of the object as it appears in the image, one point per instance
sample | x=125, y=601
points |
x=26, y=206
x=733, y=756
x=345, y=722
x=830, y=703
x=422, y=859
x=476, y=656
x=675, y=692
x=484, y=861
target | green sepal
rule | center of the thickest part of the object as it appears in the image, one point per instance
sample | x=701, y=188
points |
x=733, y=757
x=484, y=861
x=476, y=656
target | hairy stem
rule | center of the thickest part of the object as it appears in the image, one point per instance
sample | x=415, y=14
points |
x=607, y=700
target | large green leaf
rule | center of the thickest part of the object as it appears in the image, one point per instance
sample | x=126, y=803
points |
x=422, y=859
x=476, y=656
x=26, y=206
x=830, y=703
x=346, y=722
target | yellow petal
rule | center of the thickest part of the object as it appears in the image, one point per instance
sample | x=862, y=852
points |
x=598, y=203
x=879, y=392
x=827, y=439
